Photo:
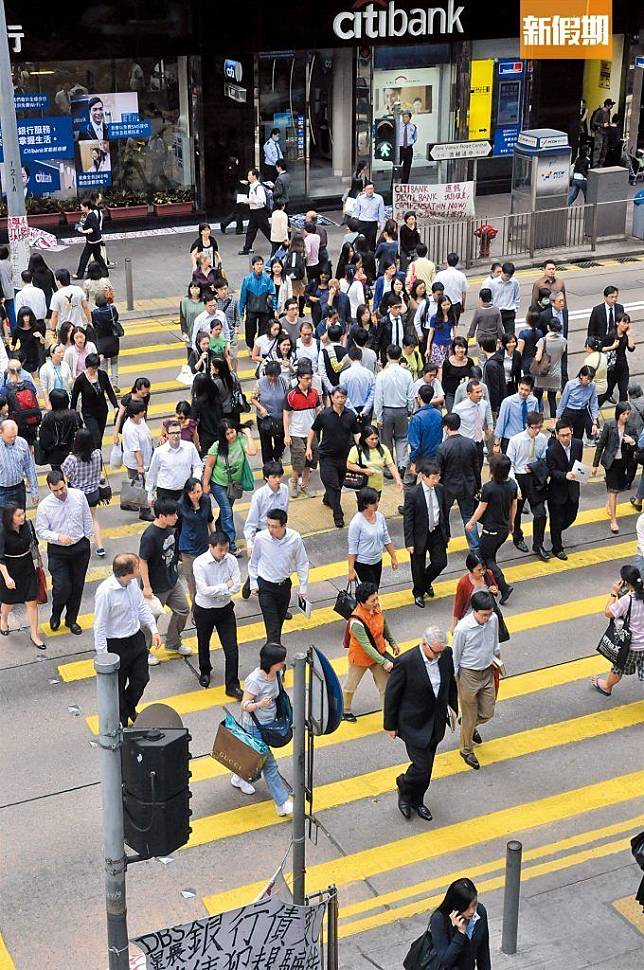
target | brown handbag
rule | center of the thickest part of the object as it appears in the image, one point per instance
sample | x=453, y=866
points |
x=238, y=757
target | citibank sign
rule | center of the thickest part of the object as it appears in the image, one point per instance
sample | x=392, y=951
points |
x=384, y=19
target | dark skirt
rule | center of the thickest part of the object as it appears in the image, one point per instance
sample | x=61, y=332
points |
x=616, y=476
x=23, y=572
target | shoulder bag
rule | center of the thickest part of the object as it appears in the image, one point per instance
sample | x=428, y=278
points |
x=104, y=487
x=234, y=490
x=41, y=579
x=355, y=480
x=539, y=368
x=117, y=329
x=345, y=602
x=277, y=733
x=616, y=641
x=239, y=402
x=421, y=955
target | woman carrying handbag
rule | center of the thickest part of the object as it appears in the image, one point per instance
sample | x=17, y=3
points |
x=227, y=475
x=457, y=937
x=623, y=648
x=21, y=572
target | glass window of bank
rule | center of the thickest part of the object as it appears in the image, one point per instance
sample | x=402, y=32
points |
x=121, y=126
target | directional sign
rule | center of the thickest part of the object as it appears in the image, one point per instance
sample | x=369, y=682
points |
x=458, y=149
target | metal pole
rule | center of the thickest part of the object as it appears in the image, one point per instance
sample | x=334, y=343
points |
x=106, y=666
x=299, y=778
x=332, y=935
x=514, y=851
x=18, y=228
x=129, y=286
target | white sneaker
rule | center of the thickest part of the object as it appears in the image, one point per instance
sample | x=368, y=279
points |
x=293, y=489
x=184, y=650
x=308, y=490
x=243, y=786
x=286, y=808
x=153, y=661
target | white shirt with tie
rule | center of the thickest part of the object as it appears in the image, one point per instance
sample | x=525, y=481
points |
x=433, y=508
x=397, y=330
x=408, y=134
x=433, y=671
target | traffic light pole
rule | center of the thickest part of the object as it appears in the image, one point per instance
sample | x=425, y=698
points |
x=299, y=778
x=17, y=225
x=106, y=666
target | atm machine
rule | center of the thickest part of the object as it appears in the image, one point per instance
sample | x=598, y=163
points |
x=540, y=182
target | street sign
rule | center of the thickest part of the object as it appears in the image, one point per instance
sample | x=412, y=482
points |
x=458, y=149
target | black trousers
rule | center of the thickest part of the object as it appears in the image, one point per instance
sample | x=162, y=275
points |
x=222, y=619
x=552, y=399
x=617, y=378
x=133, y=671
x=274, y=599
x=370, y=231
x=415, y=781
x=172, y=493
x=257, y=222
x=508, y=318
x=490, y=544
x=255, y=324
x=332, y=473
x=580, y=421
x=406, y=159
x=369, y=572
x=68, y=568
x=423, y=576
x=561, y=518
x=538, y=509
x=236, y=216
x=91, y=251
x=96, y=427
x=272, y=446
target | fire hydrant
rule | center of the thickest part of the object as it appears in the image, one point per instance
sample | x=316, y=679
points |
x=486, y=234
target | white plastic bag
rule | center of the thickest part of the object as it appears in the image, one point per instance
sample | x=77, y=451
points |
x=185, y=376
x=155, y=606
x=116, y=457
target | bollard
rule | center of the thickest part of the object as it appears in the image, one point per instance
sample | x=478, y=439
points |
x=129, y=288
x=513, y=855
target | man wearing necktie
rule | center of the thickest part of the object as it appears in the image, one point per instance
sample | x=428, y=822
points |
x=603, y=317
x=408, y=137
x=525, y=449
x=513, y=413
x=426, y=528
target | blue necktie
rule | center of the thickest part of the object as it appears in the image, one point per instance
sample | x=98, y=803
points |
x=524, y=412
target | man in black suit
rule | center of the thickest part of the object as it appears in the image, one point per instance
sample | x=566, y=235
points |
x=458, y=458
x=419, y=690
x=426, y=526
x=604, y=317
x=97, y=129
x=563, y=488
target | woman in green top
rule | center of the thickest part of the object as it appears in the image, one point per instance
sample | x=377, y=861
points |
x=227, y=470
x=370, y=458
x=189, y=309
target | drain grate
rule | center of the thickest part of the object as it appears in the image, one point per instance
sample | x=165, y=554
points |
x=627, y=259
x=587, y=263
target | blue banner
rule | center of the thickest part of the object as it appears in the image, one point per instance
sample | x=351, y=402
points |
x=31, y=102
x=44, y=138
x=505, y=139
x=130, y=129
x=43, y=177
x=87, y=180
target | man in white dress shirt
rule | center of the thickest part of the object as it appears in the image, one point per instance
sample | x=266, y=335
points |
x=272, y=495
x=476, y=416
x=524, y=449
x=454, y=284
x=30, y=296
x=217, y=579
x=120, y=610
x=172, y=465
x=64, y=521
x=277, y=553
x=97, y=129
x=408, y=136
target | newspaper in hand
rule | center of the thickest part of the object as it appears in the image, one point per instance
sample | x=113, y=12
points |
x=581, y=472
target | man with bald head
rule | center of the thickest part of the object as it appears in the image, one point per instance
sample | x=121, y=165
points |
x=16, y=467
x=420, y=689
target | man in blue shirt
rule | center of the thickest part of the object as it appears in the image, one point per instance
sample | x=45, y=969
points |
x=360, y=384
x=407, y=139
x=256, y=301
x=369, y=213
x=513, y=413
x=425, y=432
x=272, y=153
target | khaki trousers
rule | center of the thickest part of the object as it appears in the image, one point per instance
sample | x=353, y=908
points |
x=355, y=675
x=476, y=701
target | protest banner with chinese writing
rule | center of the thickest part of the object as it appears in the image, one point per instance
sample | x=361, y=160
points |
x=264, y=934
x=435, y=203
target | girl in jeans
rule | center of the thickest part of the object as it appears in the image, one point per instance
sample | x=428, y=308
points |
x=224, y=468
x=261, y=688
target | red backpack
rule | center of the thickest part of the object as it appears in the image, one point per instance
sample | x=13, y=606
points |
x=23, y=405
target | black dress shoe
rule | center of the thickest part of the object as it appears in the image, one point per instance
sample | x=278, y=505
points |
x=476, y=738
x=543, y=554
x=245, y=590
x=419, y=601
x=401, y=510
x=471, y=760
x=506, y=596
x=430, y=591
x=74, y=628
x=521, y=545
x=326, y=502
x=288, y=615
x=423, y=812
x=404, y=806
x=146, y=515
x=54, y=622
x=350, y=717
x=561, y=555
x=338, y=522
x=235, y=692
x=204, y=680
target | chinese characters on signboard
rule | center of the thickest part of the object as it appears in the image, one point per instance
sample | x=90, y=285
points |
x=435, y=203
x=580, y=29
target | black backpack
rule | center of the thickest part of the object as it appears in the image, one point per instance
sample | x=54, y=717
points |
x=23, y=405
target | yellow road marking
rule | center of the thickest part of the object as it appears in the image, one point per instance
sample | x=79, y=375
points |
x=439, y=842
x=239, y=821
x=630, y=910
x=6, y=963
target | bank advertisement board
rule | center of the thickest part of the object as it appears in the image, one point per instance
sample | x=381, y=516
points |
x=435, y=203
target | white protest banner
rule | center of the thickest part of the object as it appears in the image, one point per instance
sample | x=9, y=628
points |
x=276, y=886
x=434, y=203
x=39, y=239
x=264, y=934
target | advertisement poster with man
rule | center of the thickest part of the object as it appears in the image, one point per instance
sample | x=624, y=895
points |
x=415, y=91
x=98, y=120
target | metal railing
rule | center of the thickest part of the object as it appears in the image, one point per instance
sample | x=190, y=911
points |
x=576, y=227
x=329, y=929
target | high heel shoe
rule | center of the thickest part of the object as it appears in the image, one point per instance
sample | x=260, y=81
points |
x=5, y=633
x=39, y=646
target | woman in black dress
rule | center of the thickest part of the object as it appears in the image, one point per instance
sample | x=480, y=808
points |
x=496, y=510
x=42, y=277
x=94, y=388
x=457, y=367
x=616, y=452
x=409, y=239
x=206, y=411
x=17, y=571
x=29, y=336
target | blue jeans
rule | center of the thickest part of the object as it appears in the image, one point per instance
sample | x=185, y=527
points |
x=276, y=787
x=11, y=314
x=225, y=513
x=575, y=189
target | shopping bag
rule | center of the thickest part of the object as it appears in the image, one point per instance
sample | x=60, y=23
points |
x=616, y=641
x=185, y=376
x=116, y=457
x=239, y=751
x=133, y=496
